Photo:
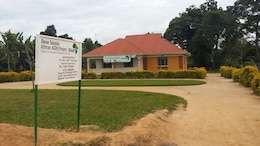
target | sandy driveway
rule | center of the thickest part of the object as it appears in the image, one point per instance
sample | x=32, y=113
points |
x=219, y=113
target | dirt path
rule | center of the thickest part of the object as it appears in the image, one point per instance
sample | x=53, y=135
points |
x=219, y=113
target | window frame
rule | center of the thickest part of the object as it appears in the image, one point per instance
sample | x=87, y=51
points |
x=162, y=61
x=107, y=65
x=129, y=64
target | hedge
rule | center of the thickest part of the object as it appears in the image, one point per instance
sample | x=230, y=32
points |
x=197, y=73
x=246, y=75
x=191, y=73
x=26, y=75
x=255, y=84
x=113, y=75
x=236, y=74
x=88, y=75
x=139, y=74
x=9, y=77
x=226, y=71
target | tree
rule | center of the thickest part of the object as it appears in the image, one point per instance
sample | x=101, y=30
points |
x=248, y=14
x=50, y=31
x=209, y=5
x=65, y=36
x=181, y=29
x=29, y=49
x=11, y=49
x=87, y=46
x=2, y=57
x=219, y=27
x=209, y=23
x=201, y=51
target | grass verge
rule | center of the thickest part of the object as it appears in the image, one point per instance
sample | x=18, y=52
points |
x=109, y=110
x=133, y=82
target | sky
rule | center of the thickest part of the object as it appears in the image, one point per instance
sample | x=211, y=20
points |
x=101, y=20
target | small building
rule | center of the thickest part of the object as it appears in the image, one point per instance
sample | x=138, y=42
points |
x=148, y=52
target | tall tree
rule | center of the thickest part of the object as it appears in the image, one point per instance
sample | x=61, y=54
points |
x=50, y=31
x=29, y=49
x=248, y=14
x=209, y=5
x=219, y=26
x=12, y=46
x=181, y=29
x=2, y=57
x=65, y=36
x=208, y=23
x=87, y=46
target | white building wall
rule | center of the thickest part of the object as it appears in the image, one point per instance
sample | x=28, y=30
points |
x=118, y=67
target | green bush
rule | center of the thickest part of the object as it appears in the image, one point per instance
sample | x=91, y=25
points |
x=26, y=75
x=165, y=74
x=236, y=74
x=246, y=75
x=9, y=77
x=186, y=74
x=222, y=68
x=113, y=75
x=3, y=77
x=197, y=73
x=88, y=75
x=226, y=71
x=255, y=84
x=202, y=72
x=144, y=74
x=129, y=75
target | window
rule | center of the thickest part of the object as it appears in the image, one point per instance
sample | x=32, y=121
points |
x=129, y=64
x=107, y=65
x=162, y=61
x=92, y=64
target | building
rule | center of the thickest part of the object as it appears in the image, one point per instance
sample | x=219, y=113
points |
x=148, y=52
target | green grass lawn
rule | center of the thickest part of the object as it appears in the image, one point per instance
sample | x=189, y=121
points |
x=134, y=82
x=110, y=110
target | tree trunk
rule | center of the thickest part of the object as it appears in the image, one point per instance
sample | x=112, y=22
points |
x=30, y=63
x=8, y=62
x=257, y=45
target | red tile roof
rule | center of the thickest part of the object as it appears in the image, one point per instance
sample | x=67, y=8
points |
x=146, y=44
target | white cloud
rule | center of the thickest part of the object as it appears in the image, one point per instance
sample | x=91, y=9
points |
x=107, y=20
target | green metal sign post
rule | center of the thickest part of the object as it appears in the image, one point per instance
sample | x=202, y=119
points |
x=35, y=114
x=79, y=97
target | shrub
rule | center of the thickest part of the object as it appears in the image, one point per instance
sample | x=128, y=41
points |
x=3, y=77
x=112, y=75
x=246, y=75
x=26, y=75
x=197, y=73
x=165, y=74
x=88, y=75
x=201, y=72
x=9, y=77
x=131, y=75
x=145, y=74
x=255, y=84
x=236, y=74
x=226, y=71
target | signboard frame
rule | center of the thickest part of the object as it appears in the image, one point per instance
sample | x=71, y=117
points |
x=118, y=58
x=57, y=60
x=62, y=60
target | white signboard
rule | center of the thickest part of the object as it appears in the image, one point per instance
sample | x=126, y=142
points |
x=57, y=60
x=122, y=58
